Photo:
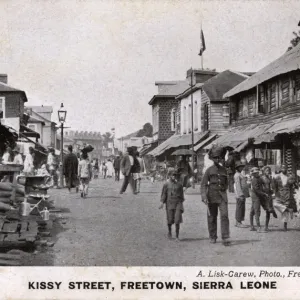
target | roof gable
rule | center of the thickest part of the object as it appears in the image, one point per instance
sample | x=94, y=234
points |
x=289, y=61
x=218, y=85
x=6, y=88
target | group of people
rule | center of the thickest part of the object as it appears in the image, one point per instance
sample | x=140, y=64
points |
x=14, y=156
x=272, y=193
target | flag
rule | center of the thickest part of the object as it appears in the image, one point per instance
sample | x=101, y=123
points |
x=202, y=43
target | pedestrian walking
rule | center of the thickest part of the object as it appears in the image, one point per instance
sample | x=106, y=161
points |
x=117, y=165
x=70, y=169
x=230, y=166
x=173, y=197
x=268, y=190
x=241, y=193
x=141, y=170
x=52, y=165
x=126, y=169
x=104, y=169
x=185, y=171
x=259, y=198
x=214, y=187
x=284, y=201
x=136, y=170
x=110, y=168
x=84, y=174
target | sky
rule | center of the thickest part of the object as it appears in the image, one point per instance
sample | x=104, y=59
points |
x=102, y=58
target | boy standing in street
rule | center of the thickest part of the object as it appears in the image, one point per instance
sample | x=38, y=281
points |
x=241, y=193
x=258, y=197
x=172, y=195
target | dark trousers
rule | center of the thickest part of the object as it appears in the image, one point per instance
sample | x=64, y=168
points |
x=127, y=180
x=212, y=219
x=255, y=211
x=240, y=209
x=117, y=174
x=231, y=183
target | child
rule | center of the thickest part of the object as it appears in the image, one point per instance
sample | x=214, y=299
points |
x=241, y=193
x=172, y=196
x=84, y=174
x=258, y=196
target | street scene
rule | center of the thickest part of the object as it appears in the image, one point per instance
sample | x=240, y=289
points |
x=124, y=158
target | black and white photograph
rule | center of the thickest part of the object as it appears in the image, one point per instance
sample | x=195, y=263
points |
x=149, y=133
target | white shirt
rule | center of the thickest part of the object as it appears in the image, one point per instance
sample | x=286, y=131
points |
x=18, y=160
x=131, y=160
x=28, y=163
x=50, y=161
x=6, y=157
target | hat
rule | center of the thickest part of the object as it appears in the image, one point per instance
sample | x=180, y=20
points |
x=216, y=151
x=239, y=164
x=254, y=170
x=17, y=149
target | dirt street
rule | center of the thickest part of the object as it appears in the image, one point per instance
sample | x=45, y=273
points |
x=109, y=229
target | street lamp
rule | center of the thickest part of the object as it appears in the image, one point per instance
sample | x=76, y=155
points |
x=192, y=84
x=62, y=113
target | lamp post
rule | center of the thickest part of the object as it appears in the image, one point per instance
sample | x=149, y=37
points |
x=62, y=113
x=192, y=118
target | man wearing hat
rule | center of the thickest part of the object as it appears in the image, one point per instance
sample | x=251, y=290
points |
x=214, y=194
x=258, y=197
x=117, y=165
x=172, y=196
x=126, y=168
x=18, y=159
x=241, y=193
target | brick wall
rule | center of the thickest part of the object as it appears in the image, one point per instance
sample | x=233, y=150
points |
x=14, y=105
x=165, y=107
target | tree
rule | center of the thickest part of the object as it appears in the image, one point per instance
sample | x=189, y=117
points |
x=107, y=138
x=295, y=41
x=146, y=131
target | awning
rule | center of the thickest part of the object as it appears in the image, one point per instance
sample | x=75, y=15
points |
x=29, y=132
x=176, y=141
x=147, y=148
x=205, y=142
x=238, y=137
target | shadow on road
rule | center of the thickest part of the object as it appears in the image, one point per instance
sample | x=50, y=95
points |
x=242, y=242
x=194, y=239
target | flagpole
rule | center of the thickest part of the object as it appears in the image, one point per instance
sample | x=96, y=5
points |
x=203, y=51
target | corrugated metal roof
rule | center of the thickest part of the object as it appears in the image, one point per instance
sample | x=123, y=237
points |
x=176, y=141
x=205, y=142
x=238, y=135
x=218, y=85
x=288, y=62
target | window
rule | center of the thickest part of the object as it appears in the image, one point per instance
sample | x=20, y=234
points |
x=285, y=91
x=155, y=119
x=261, y=100
x=195, y=116
x=2, y=107
x=225, y=114
x=173, y=119
x=190, y=118
x=185, y=128
x=245, y=107
x=32, y=127
x=205, y=117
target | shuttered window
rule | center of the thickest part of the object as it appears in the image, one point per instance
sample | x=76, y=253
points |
x=285, y=84
x=245, y=107
x=251, y=105
x=206, y=116
x=261, y=100
x=272, y=88
x=297, y=87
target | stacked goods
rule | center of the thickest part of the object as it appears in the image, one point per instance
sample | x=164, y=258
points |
x=6, y=193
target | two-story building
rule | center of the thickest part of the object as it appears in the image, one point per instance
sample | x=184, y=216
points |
x=265, y=114
x=40, y=121
x=171, y=125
